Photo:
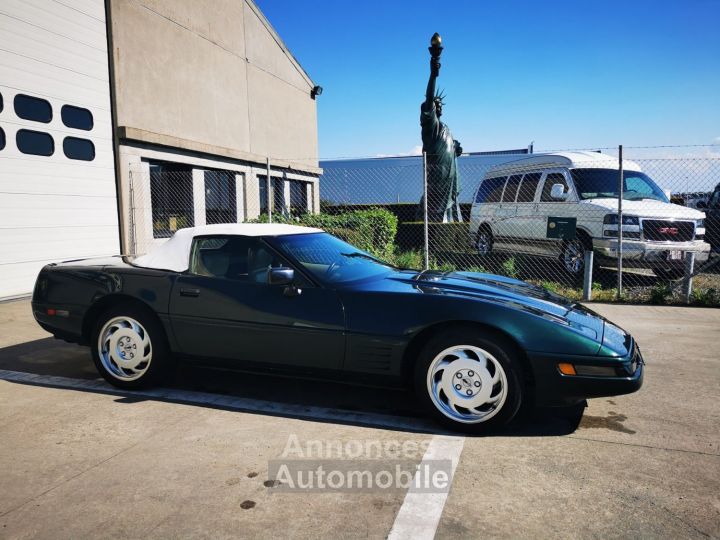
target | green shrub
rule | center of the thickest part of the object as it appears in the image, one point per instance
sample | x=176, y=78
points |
x=370, y=230
x=706, y=297
x=660, y=293
x=509, y=268
x=413, y=259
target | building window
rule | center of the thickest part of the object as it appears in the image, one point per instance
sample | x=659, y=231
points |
x=262, y=183
x=81, y=149
x=2, y=138
x=278, y=195
x=76, y=117
x=298, y=198
x=171, y=194
x=220, y=202
x=35, y=142
x=32, y=108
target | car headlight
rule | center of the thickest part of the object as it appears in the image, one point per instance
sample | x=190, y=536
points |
x=612, y=219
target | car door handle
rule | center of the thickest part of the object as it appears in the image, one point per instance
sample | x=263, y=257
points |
x=189, y=292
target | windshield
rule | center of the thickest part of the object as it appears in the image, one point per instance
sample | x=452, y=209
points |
x=330, y=259
x=598, y=183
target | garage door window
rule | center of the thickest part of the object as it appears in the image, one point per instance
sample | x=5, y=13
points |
x=36, y=143
x=81, y=149
x=2, y=139
x=76, y=117
x=32, y=108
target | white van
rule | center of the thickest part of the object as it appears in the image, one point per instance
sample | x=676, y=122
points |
x=512, y=205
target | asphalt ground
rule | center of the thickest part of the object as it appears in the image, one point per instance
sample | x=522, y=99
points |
x=193, y=459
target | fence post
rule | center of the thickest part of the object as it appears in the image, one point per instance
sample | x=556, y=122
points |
x=426, y=239
x=270, y=197
x=688, y=280
x=587, y=278
x=133, y=240
x=620, y=224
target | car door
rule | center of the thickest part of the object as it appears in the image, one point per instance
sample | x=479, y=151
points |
x=547, y=206
x=224, y=308
x=526, y=219
x=506, y=225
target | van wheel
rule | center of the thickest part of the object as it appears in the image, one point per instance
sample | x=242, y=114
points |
x=484, y=241
x=573, y=254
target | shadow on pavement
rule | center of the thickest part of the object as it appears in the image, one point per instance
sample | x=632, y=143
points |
x=295, y=398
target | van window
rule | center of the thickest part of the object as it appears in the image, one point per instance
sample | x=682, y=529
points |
x=552, y=178
x=490, y=190
x=526, y=192
x=511, y=188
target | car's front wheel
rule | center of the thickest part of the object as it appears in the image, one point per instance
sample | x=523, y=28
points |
x=129, y=347
x=469, y=380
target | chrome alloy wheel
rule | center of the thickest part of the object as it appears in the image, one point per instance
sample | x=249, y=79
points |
x=467, y=384
x=124, y=348
x=574, y=256
x=484, y=242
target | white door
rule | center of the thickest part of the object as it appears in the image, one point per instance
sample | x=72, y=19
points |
x=547, y=206
x=57, y=177
x=505, y=216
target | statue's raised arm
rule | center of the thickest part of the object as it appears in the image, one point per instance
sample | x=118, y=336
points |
x=435, y=52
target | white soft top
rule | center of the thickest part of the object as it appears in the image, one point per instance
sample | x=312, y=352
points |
x=175, y=253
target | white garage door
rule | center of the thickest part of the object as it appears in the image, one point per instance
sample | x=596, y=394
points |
x=57, y=178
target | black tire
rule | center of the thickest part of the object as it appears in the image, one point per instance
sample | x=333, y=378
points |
x=669, y=274
x=159, y=366
x=501, y=350
x=572, y=256
x=484, y=232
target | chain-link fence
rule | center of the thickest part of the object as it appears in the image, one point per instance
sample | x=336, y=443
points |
x=631, y=224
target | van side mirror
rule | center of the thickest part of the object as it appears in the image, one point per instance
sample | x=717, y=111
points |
x=558, y=192
x=281, y=276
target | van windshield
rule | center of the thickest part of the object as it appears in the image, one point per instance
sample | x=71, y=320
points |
x=601, y=183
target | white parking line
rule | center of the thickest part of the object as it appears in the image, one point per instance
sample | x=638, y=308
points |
x=230, y=402
x=420, y=512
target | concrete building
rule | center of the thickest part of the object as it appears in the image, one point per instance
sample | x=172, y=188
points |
x=122, y=120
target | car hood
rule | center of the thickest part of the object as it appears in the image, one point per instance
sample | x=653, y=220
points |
x=646, y=208
x=508, y=292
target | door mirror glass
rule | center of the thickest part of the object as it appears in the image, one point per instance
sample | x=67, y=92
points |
x=558, y=192
x=281, y=276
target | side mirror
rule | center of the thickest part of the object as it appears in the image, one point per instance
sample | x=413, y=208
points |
x=281, y=276
x=558, y=192
x=701, y=205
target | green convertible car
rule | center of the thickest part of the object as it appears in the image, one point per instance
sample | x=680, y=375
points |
x=298, y=300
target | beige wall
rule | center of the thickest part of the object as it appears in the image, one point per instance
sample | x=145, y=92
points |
x=213, y=76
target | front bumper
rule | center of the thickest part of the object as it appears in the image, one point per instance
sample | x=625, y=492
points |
x=552, y=388
x=651, y=252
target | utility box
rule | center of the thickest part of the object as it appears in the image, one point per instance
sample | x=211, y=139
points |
x=561, y=227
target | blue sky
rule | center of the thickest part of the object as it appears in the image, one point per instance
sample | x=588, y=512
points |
x=563, y=74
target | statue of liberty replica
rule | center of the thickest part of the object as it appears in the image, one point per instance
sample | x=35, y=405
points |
x=440, y=148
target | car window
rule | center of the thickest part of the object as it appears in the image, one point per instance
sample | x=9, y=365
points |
x=233, y=257
x=511, y=188
x=552, y=178
x=490, y=190
x=526, y=192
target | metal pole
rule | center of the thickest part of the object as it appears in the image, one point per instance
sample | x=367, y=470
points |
x=426, y=240
x=133, y=240
x=688, y=280
x=587, y=278
x=620, y=223
x=269, y=191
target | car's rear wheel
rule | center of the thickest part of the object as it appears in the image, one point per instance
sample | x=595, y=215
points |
x=469, y=381
x=129, y=347
x=484, y=241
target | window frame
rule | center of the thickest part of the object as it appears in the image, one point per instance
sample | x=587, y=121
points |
x=36, y=99
x=68, y=106
x=517, y=187
x=19, y=132
x=168, y=167
x=533, y=200
x=485, y=201
x=81, y=139
x=568, y=185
